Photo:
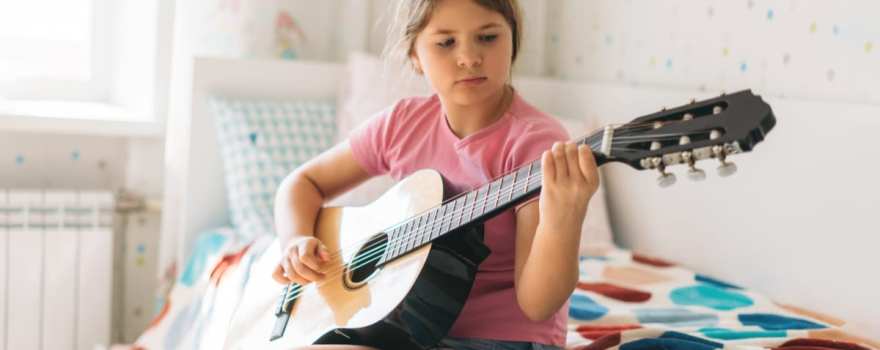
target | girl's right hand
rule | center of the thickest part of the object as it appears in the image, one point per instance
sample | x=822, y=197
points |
x=301, y=261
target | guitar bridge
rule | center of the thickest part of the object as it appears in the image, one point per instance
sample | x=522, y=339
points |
x=282, y=310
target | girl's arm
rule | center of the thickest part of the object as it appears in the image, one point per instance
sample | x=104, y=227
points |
x=548, y=232
x=304, y=192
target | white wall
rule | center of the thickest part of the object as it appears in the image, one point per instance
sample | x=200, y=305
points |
x=797, y=222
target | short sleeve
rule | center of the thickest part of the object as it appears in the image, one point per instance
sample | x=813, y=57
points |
x=536, y=138
x=370, y=141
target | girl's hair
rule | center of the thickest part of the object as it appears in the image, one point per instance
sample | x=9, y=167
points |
x=411, y=16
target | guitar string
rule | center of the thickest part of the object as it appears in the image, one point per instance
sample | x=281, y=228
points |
x=375, y=248
x=357, y=243
x=374, y=252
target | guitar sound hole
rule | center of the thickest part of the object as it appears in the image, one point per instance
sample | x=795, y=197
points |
x=364, y=264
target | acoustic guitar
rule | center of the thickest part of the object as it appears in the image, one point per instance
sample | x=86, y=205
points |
x=402, y=266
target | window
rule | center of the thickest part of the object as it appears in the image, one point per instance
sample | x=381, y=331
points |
x=54, y=49
x=84, y=65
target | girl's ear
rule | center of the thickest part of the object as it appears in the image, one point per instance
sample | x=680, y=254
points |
x=417, y=65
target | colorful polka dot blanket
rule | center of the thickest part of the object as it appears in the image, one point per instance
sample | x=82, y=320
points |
x=623, y=301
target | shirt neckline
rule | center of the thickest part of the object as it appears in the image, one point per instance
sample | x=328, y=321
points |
x=461, y=142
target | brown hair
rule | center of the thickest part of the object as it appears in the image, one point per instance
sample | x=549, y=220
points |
x=411, y=16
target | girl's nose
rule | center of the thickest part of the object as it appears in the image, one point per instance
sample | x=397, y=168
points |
x=469, y=56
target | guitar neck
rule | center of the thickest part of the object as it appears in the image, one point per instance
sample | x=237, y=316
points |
x=474, y=206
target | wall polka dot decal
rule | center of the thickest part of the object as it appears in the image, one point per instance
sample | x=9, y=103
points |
x=830, y=75
x=743, y=67
x=770, y=14
x=868, y=46
x=835, y=29
x=74, y=155
x=813, y=27
x=786, y=58
x=725, y=52
x=19, y=159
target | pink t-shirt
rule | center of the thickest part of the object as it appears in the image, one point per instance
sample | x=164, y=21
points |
x=414, y=134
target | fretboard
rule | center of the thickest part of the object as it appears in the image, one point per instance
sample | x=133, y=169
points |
x=471, y=207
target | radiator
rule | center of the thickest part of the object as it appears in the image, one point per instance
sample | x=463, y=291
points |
x=56, y=269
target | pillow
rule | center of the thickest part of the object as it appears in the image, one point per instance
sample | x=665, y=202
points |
x=261, y=142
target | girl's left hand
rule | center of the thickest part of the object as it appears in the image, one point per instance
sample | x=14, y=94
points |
x=570, y=178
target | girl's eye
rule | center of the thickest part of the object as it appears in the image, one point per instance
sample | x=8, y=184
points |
x=446, y=43
x=488, y=38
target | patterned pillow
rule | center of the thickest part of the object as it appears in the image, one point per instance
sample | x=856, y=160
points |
x=261, y=142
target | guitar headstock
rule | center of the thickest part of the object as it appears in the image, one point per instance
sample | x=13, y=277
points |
x=712, y=128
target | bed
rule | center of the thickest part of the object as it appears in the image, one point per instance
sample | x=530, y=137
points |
x=624, y=299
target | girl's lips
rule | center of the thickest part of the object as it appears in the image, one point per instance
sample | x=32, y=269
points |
x=474, y=81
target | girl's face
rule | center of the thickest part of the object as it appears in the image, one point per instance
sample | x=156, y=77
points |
x=465, y=52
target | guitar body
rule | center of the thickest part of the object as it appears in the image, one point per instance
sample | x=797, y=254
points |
x=407, y=303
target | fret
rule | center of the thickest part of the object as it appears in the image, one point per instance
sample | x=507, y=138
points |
x=426, y=228
x=481, y=198
x=472, y=203
x=528, y=177
x=395, y=239
x=444, y=218
x=512, y=187
x=465, y=209
x=537, y=179
x=459, y=210
x=493, y=194
x=435, y=228
x=420, y=227
x=407, y=240
x=506, y=186
x=522, y=177
x=417, y=226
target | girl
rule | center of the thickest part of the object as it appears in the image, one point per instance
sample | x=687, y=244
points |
x=475, y=128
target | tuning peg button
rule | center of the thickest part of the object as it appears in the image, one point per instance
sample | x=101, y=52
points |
x=665, y=179
x=726, y=168
x=696, y=174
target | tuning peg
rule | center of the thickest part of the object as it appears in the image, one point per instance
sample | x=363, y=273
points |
x=694, y=173
x=665, y=179
x=726, y=168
